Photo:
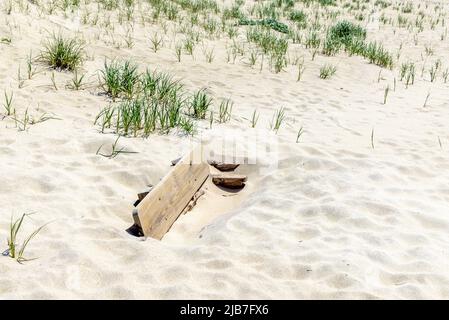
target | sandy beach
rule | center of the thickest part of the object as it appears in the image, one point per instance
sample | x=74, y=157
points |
x=351, y=203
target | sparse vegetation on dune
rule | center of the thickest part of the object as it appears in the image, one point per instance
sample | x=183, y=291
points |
x=273, y=35
x=155, y=101
x=275, y=27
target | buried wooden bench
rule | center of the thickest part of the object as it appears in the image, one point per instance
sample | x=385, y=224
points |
x=160, y=206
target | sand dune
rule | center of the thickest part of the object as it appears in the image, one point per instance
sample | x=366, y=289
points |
x=357, y=209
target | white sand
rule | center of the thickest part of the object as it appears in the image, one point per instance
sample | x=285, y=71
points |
x=336, y=219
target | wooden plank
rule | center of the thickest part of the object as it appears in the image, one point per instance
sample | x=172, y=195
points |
x=229, y=180
x=158, y=211
x=223, y=166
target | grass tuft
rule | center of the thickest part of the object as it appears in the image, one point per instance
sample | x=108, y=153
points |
x=200, y=104
x=225, y=110
x=327, y=71
x=8, y=103
x=120, y=79
x=14, y=251
x=278, y=119
x=62, y=53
